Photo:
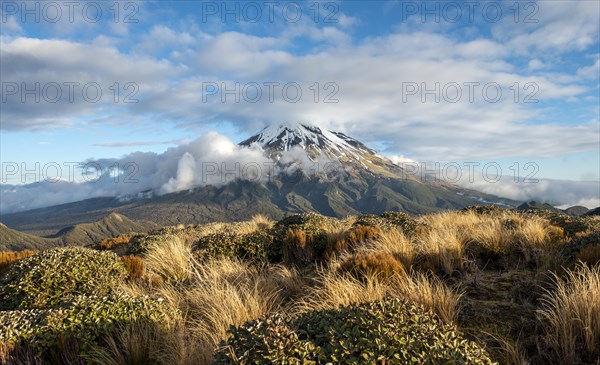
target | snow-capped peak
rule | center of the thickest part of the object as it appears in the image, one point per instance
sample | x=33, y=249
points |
x=285, y=136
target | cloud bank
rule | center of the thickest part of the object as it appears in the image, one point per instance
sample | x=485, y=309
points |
x=215, y=160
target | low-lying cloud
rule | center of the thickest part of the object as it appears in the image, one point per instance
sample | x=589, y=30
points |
x=214, y=159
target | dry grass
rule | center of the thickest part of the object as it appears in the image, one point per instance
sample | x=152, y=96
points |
x=377, y=264
x=503, y=349
x=590, y=255
x=362, y=233
x=8, y=257
x=148, y=343
x=452, y=235
x=335, y=290
x=110, y=243
x=134, y=266
x=441, y=250
x=221, y=293
x=392, y=242
x=226, y=293
x=170, y=260
x=262, y=222
x=572, y=314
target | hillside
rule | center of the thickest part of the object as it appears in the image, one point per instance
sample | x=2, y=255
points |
x=112, y=225
x=482, y=285
x=13, y=240
x=333, y=174
x=81, y=234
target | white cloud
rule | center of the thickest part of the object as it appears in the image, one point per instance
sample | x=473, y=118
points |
x=370, y=75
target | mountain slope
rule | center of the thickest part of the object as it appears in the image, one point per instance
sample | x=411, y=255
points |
x=358, y=181
x=13, y=240
x=112, y=225
x=81, y=234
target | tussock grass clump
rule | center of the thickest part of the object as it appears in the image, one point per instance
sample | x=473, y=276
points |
x=147, y=343
x=177, y=268
x=359, y=234
x=134, y=266
x=8, y=257
x=590, y=255
x=389, y=331
x=217, y=294
x=50, y=277
x=112, y=243
x=571, y=314
x=300, y=239
x=440, y=251
x=377, y=264
x=335, y=289
x=392, y=242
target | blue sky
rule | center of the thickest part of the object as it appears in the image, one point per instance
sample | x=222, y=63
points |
x=376, y=57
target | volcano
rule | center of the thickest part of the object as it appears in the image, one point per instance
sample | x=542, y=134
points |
x=333, y=174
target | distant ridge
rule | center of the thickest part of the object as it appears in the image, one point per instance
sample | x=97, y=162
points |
x=81, y=234
x=574, y=211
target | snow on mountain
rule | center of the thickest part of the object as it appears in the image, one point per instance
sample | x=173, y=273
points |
x=287, y=138
x=284, y=137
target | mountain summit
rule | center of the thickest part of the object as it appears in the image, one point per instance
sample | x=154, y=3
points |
x=321, y=144
x=312, y=139
x=360, y=181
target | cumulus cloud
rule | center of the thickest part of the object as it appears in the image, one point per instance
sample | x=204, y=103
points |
x=241, y=79
x=212, y=159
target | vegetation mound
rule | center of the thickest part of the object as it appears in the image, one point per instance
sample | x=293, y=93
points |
x=390, y=331
x=83, y=320
x=51, y=277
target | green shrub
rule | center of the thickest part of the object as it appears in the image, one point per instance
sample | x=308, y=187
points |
x=45, y=280
x=251, y=246
x=255, y=246
x=388, y=220
x=140, y=243
x=386, y=332
x=491, y=210
x=218, y=244
x=83, y=319
x=407, y=223
x=288, y=244
x=268, y=341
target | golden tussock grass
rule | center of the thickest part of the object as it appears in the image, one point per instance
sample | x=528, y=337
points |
x=8, y=257
x=171, y=260
x=226, y=293
x=590, y=255
x=220, y=293
x=571, y=313
x=440, y=250
x=336, y=289
x=362, y=233
x=110, y=243
x=377, y=264
x=451, y=235
x=134, y=266
x=149, y=343
x=392, y=242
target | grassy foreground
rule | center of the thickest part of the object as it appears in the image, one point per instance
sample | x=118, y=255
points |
x=479, y=286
